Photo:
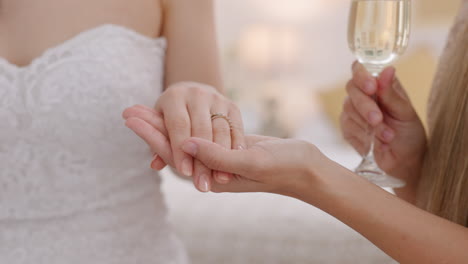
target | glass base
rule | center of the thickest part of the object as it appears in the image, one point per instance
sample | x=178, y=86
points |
x=371, y=171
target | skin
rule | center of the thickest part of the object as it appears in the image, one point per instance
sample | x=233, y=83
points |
x=298, y=169
x=29, y=28
x=400, y=139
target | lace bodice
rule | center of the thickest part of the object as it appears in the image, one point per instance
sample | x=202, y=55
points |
x=70, y=169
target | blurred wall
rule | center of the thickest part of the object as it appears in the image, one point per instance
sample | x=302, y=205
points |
x=286, y=60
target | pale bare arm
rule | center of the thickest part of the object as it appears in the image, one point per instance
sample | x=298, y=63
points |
x=297, y=169
x=192, y=53
x=402, y=230
x=193, y=91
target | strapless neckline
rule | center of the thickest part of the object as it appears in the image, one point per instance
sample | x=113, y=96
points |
x=81, y=36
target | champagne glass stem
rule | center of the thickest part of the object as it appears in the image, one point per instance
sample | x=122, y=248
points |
x=369, y=168
x=370, y=154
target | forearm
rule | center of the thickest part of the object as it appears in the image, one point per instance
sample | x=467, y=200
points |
x=192, y=53
x=403, y=231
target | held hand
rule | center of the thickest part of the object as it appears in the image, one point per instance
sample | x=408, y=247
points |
x=184, y=110
x=400, y=139
x=266, y=164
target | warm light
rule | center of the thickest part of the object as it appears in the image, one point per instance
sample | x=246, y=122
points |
x=255, y=47
x=266, y=48
x=289, y=10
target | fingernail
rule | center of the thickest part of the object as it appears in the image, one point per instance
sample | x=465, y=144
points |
x=153, y=162
x=203, y=184
x=190, y=148
x=240, y=147
x=187, y=167
x=369, y=87
x=388, y=135
x=374, y=118
x=153, y=165
x=157, y=165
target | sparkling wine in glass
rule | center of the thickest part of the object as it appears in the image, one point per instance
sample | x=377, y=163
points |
x=378, y=32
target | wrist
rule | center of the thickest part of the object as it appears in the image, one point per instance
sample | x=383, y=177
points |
x=312, y=179
x=326, y=183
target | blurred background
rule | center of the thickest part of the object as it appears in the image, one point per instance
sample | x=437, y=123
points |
x=286, y=64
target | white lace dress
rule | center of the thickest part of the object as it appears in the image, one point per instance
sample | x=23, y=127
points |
x=75, y=183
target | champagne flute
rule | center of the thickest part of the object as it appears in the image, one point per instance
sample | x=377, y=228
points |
x=378, y=32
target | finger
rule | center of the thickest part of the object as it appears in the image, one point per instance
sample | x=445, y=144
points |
x=393, y=98
x=253, y=139
x=363, y=79
x=381, y=150
x=158, y=163
x=201, y=128
x=351, y=112
x=241, y=185
x=385, y=133
x=178, y=125
x=358, y=145
x=144, y=107
x=222, y=136
x=218, y=157
x=364, y=104
x=355, y=135
x=152, y=117
x=237, y=131
x=155, y=139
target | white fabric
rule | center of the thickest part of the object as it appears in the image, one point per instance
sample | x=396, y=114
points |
x=75, y=186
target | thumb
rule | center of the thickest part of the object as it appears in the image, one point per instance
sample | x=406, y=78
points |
x=393, y=98
x=216, y=157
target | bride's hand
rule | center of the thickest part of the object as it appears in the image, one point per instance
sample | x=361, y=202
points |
x=184, y=110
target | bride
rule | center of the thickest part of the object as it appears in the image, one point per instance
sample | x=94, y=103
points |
x=74, y=187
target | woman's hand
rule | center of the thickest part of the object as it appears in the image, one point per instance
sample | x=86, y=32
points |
x=184, y=110
x=268, y=164
x=265, y=164
x=400, y=139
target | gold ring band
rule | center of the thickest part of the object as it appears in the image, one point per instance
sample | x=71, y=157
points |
x=219, y=115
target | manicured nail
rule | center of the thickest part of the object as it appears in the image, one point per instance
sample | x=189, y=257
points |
x=374, y=118
x=190, y=148
x=369, y=87
x=187, y=167
x=388, y=135
x=203, y=184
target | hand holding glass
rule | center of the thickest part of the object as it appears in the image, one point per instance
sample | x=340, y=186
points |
x=378, y=33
